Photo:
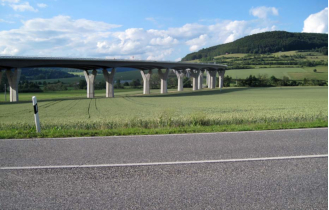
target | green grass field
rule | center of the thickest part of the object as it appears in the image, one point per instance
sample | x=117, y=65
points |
x=132, y=113
x=292, y=73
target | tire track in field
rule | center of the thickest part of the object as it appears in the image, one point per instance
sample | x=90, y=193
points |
x=77, y=101
x=96, y=106
x=68, y=107
x=100, y=114
x=49, y=105
x=46, y=103
x=89, y=108
x=136, y=102
x=29, y=109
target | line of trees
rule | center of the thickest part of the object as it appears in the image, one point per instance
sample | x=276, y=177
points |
x=264, y=81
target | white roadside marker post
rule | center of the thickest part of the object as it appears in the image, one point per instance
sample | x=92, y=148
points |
x=36, y=114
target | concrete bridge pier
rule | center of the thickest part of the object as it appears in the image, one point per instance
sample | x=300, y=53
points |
x=146, y=81
x=90, y=79
x=200, y=82
x=180, y=76
x=109, y=79
x=13, y=79
x=207, y=78
x=163, y=78
x=221, y=74
x=194, y=73
x=212, y=79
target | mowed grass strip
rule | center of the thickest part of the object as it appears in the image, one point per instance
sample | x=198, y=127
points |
x=230, y=107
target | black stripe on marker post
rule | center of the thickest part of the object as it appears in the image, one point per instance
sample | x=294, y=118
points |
x=35, y=108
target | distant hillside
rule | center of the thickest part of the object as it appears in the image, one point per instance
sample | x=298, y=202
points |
x=44, y=73
x=267, y=42
x=56, y=73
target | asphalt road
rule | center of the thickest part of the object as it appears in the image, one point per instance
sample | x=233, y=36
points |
x=287, y=183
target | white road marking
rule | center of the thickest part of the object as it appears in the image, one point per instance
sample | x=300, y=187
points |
x=165, y=163
x=160, y=135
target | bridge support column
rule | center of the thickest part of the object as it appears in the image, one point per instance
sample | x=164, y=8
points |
x=109, y=78
x=163, y=78
x=13, y=79
x=195, y=75
x=200, y=82
x=146, y=81
x=212, y=79
x=207, y=78
x=221, y=74
x=180, y=76
x=90, y=79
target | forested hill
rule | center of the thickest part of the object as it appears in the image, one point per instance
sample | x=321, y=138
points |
x=267, y=42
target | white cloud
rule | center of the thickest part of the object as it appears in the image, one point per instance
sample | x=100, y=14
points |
x=260, y=30
x=64, y=36
x=317, y=23
x=23, y=7
x=263, y=12
x=163, y=41
x=159, y=55
x=188, y=30
x=197, y=43
x=42, y=5
x=65, y=23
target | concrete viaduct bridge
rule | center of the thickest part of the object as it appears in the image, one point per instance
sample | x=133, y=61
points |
x=12, y=66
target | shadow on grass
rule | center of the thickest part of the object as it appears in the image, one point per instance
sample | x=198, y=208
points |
x=196, y=93
x=45, y=100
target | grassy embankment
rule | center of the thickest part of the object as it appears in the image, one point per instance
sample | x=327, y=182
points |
x=232, y=109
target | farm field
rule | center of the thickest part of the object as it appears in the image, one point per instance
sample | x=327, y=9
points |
x=228, y=107
x=292, y=73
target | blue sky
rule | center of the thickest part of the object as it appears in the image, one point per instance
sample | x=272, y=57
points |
x=145, y=29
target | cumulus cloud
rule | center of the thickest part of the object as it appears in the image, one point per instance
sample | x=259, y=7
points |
x=42, y=5
x=65, y=23
x=23, y=7
x=317, y=23
x=64, y=36
x=163, y=41
x=263, y=12
x=197, y=43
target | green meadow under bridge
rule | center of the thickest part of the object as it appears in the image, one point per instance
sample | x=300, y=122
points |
x=12, y=67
